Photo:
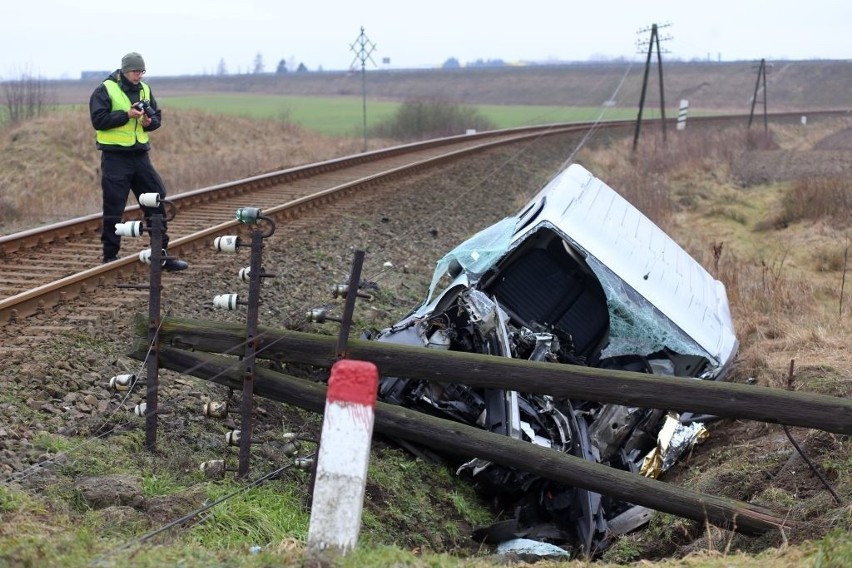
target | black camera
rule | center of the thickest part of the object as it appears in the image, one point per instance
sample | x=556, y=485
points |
x=145, y=107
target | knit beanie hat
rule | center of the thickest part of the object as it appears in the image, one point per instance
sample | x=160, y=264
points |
x=131, y=62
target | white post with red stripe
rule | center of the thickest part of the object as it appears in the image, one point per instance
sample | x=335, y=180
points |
x=344, y=455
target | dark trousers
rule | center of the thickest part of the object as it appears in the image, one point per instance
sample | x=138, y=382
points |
x=121, y=173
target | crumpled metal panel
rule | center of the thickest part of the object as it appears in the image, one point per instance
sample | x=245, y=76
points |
x=602, y=224
x=577, y=276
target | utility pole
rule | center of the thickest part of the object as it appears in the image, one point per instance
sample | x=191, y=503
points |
x=654, y=40
x=363, y=47
x=761, y=76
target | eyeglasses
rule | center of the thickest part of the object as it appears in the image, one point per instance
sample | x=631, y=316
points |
x=139, y=71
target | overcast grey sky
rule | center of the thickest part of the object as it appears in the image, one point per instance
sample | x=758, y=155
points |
x=61, y=38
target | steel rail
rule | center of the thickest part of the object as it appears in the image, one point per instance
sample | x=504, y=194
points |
x=379, y=166
x=394, y=163
x=81, y=225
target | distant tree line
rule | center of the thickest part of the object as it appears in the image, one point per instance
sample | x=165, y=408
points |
x=258, y=67
x=453, y=63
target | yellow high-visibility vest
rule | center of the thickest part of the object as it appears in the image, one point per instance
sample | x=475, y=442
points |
x=130, y=133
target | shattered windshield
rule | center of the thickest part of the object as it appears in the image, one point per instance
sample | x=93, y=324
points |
x=636, y=326
x=475, y=255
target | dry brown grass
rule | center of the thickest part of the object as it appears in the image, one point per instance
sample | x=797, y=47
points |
x=788, y=286
x=828, y=197
x=784, y=283
x=661, y=177
x=50, y=168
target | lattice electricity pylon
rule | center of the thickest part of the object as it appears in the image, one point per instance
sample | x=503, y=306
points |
x=653, y=41
x=253, y=273
x=364, y=48
x=156, y=257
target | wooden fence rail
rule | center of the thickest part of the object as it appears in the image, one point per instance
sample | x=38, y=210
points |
x=443, y=435
x=728, y=400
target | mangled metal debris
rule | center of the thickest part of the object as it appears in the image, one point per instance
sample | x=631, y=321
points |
x=578, y=276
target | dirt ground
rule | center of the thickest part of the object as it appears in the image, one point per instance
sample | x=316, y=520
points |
x=831, y=156
x=59, y=386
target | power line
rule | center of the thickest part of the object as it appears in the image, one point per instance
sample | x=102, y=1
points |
x=196, y=514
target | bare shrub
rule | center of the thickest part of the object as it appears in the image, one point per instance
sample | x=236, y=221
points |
x=64, y=177
x=830, y=258
x=828, y=197
x=423, y=119
x=760, y=287
x=26, y=97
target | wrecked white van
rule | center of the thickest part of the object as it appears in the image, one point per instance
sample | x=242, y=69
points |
x=578, y=276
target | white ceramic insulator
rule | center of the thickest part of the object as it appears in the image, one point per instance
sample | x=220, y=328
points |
x=121, y=382
x=316, y=315
x=129, y=229
x=226, y=243
x=145, y=257
x=149, y=200
x=225, y=301
x=340, y=291
x=216, y=409
x=245, y=273
x=213, y=468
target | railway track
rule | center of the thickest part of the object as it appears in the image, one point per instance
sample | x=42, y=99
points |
x=44, y=267
x=48, y=266
x=57, y=381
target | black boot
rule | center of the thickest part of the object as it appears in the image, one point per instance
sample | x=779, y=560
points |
x=174, y=264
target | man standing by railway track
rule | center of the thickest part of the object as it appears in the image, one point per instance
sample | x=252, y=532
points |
x=123, y=112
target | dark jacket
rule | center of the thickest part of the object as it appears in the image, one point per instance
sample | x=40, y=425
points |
x=103, y=117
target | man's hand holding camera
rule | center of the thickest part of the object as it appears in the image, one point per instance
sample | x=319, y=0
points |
x=135, y=112
x=141, y=109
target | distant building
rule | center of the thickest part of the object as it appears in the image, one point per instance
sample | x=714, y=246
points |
x=93, y=74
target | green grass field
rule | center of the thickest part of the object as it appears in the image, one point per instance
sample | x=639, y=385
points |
x=344, y=116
